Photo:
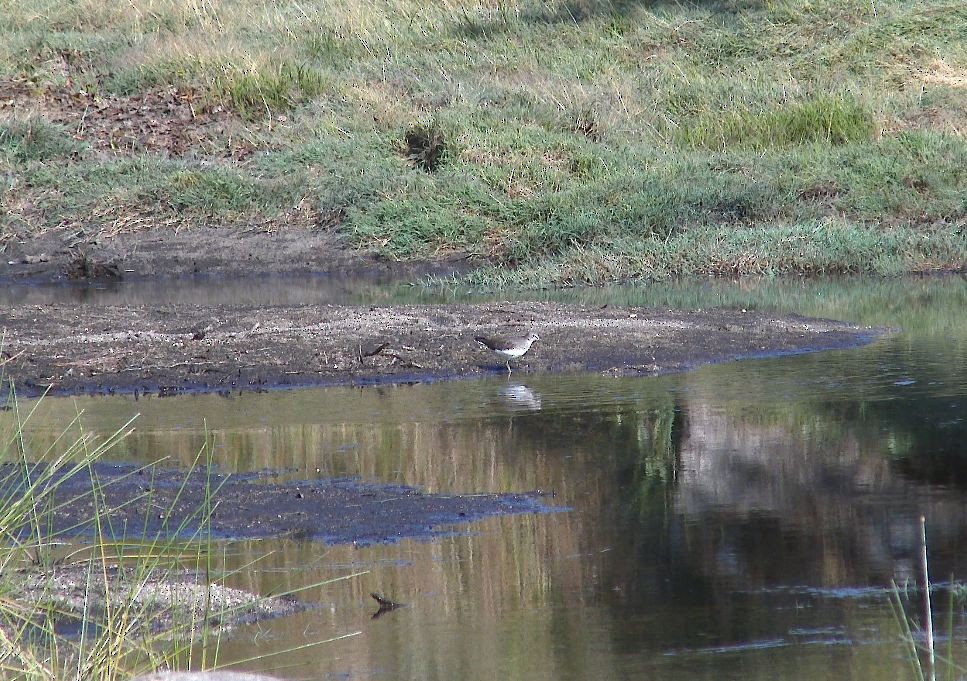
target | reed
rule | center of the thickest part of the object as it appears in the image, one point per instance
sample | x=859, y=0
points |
x=918, y=639
x=97, y=601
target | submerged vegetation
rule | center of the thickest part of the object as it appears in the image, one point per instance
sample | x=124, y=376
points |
x=570, y=141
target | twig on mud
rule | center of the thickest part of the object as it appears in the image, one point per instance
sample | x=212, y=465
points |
x=406, y=362
x=183, y=364
x=11, y=358
x=80, y=126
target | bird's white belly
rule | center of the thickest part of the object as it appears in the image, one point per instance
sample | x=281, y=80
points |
x=513, y=353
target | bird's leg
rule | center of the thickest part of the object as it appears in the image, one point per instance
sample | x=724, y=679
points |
x=509, y=372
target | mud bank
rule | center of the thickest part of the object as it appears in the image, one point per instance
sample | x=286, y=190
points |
x=168, y=349
x=164, y=502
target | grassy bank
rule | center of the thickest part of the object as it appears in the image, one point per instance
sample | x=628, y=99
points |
x=574, y=141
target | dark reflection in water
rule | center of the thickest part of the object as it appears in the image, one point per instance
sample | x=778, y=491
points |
x=368, y=288
x=743, y=521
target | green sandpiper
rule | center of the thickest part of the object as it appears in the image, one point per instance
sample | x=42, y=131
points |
x=508, y=347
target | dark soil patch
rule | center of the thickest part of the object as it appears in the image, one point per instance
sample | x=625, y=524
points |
x=164, y=502
x=425, y=147
x=170, y=348
x=172, y=121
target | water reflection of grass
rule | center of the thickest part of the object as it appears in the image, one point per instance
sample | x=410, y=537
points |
x=921, y=306
x=638, y=551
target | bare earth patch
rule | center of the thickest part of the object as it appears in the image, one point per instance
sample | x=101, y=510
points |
x=171, y=121
x=170, y=348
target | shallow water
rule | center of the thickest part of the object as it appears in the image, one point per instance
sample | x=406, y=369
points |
x=739, y=521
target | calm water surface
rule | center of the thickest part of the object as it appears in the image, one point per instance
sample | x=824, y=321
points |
x=742, y=521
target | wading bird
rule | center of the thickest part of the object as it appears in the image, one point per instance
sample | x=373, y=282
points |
x=508, y=348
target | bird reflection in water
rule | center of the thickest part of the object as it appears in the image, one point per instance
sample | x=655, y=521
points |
x=519, y=397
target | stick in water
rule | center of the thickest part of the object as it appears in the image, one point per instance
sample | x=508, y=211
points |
x=926, y=597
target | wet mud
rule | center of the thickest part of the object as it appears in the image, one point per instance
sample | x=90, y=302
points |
x=168, y=349
x=155, y=501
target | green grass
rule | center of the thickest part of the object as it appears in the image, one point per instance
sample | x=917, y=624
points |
x=817, y=248
x=569, y=128
x=34, y=139
x=828, y=121
x=42, y=572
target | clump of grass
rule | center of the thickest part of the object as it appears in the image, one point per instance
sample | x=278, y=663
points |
x=223, y=190
x=832, y=121
x=267, y=89
x=585, y=121
x=34, y=139
x=323, y=43
x=29, y=640
x=826, y=248
x=919, y=640
x=158, y=189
